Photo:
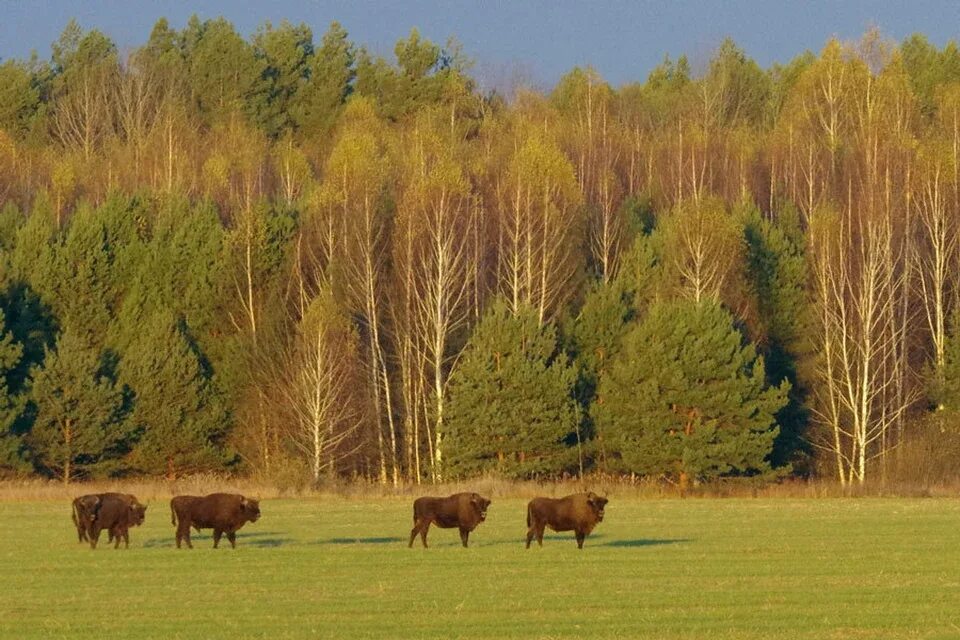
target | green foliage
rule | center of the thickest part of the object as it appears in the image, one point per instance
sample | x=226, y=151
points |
x=94, y=264
x=178, y=412
x=79, y=426
x=331, y=73
x=12, y=450
x=423, y=74
x=686, y=399
x=285, y=52
x=225, y=74
x=929, y=68
x=741, y=88
x=944, y=390
x=775, y=270
x=19, y=98
x=76, y=54
x=511, y=408
x=182, y=269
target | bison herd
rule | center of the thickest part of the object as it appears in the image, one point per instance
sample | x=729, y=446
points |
x=225, y=513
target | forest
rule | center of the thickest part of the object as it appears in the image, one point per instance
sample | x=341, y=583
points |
x=291, y=258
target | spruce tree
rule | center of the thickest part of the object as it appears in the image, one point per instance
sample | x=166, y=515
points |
x=79, y=425
x=687, y=399
x=511, y=408
x=178, y=413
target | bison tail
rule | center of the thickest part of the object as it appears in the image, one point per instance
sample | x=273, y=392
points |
x=73, y=514
x=173, y=516
x=528, y=515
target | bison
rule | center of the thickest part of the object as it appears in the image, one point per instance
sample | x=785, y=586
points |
x=116, y=513
x=462, y=510
x=579, y=513
x=222, y=512
x=84, y=512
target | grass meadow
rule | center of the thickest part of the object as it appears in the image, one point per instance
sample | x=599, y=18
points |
x=736, y=568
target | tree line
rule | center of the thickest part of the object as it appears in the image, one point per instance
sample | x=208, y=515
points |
x=282, y=256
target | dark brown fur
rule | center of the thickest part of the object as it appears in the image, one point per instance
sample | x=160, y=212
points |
x=84, y=512
x=461, y=510
x=222, y=512
x=579, y=513
x=117, y=513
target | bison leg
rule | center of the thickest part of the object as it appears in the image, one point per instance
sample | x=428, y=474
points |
x=94, y=535
x=420, y=526
x=533, y=532
x=464, y=536
x=232, y=537
x=580, y=537
x=183, y=533
x=216, y=537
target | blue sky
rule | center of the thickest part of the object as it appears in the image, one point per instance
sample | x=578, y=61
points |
x=534, y=40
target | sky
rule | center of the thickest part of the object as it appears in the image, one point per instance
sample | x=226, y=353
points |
x=531, y=41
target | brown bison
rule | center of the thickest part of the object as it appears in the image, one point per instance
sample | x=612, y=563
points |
x=116, y=513
x=222, y=512
x=84, y=512
x=462, y=510
x=579, y=513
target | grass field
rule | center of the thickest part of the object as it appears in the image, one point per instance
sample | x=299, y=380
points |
x=735, y=568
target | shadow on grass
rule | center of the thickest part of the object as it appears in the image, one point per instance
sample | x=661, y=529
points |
x=559, y=537
x=258, y=539
x=383, y=540
x=644, y=542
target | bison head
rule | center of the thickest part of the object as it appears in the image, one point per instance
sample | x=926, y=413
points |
x=250, y=508
x=89, y=507
x=480, y=504
x=598, y=504
x=138, y=513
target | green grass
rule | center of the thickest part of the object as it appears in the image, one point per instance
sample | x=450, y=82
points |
x=846, y=568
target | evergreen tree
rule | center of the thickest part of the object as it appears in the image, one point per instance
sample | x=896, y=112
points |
x=19, y=99
x=79, y=425
x=331, y=72
x=947, y=394
x=94, y=266
x=224, y=72
x=177, y=411
x=285, y=53
x=511, y=407
x=593, y=339
x=12, y=452
x=686, y=399
x=776, y=274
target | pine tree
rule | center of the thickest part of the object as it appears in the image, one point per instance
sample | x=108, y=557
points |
x=776, y=274
x=178, y=411
x=11, y=406
x=593, y=339
x=511, y=407
x=686, y=399
x=315, y=106
x=19, y=99
x=79, y=425
x=285, y=52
